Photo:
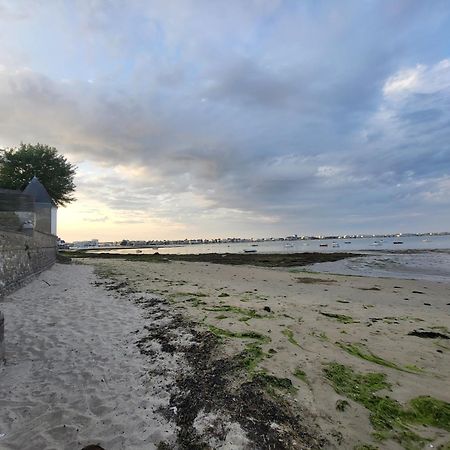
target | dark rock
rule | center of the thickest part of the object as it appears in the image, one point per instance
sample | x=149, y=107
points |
x=266, y=308
x=428, y=334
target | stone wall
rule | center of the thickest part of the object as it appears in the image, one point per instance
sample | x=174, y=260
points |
x=2, y=337
x=24, y=255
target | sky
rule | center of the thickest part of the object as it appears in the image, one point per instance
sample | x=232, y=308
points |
x=250, y=118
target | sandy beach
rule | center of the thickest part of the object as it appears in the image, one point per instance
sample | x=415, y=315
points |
x=183, y=354
x=73, y=375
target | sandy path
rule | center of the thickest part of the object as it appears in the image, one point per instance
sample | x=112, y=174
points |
x=73, y=375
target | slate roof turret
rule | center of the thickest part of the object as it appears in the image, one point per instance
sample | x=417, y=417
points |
x=37, y=190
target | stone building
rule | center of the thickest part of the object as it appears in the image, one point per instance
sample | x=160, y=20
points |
x=44, y=207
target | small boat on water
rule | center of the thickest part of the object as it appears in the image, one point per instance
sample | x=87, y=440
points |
x=335, y=244
x=347, y=242
x=288, y=245
x=138, y=251
x=398, y=242
x=250, y=250
x=254, y=245
x=323, y=245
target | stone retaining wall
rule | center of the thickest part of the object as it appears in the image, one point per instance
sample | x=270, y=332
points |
x=2, y=338
x=23, y=256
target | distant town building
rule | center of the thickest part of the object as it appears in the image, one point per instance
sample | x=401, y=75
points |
x=86, y=244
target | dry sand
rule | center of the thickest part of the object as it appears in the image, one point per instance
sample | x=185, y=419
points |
x=74, y=374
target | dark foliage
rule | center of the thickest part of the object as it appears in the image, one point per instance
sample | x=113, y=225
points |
x=19, y=165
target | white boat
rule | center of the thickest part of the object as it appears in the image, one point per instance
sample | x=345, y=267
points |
x=335, y=244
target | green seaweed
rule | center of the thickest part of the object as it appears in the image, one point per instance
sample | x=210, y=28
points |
x=339, y=317
x=287, y=316
x=308, y=280
x=292, y=260
x=284, y=384
x=246, y=313
x=414, y=368
x=358, y=351
x=221, y=317
x=361, y=388
x=388, y=417
x=322, y=335
x=105, y=272
x=251, y=356
x=427, y=410
x=240, y=335
x=409, y=440
x=195, y=301
x=301, y=375
x=290, y=335
x=406, y=438
x=188, y=294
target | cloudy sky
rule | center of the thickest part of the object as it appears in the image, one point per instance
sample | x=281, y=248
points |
x=211, y=118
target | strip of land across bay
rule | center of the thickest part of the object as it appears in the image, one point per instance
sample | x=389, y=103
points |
x=244, y=351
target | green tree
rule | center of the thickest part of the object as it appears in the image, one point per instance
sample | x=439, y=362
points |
x=19, y=165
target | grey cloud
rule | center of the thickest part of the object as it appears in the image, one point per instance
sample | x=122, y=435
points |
x=421, y=116
x=245, y=120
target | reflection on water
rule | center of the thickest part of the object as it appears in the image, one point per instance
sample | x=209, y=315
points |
x=432, y=265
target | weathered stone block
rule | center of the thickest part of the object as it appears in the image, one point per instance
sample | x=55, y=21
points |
x=2, y=337
x=24, y=255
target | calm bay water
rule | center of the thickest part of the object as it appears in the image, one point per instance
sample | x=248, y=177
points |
x=342, y=245
x=428, y=258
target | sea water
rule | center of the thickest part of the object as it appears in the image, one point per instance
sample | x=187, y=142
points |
x=300, y=246
x=416, y=257
x=418, y=265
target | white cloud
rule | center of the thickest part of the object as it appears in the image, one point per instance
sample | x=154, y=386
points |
x=404, y=81
x=421, y=79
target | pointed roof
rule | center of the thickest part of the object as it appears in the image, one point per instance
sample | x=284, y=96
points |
x=37, y=190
